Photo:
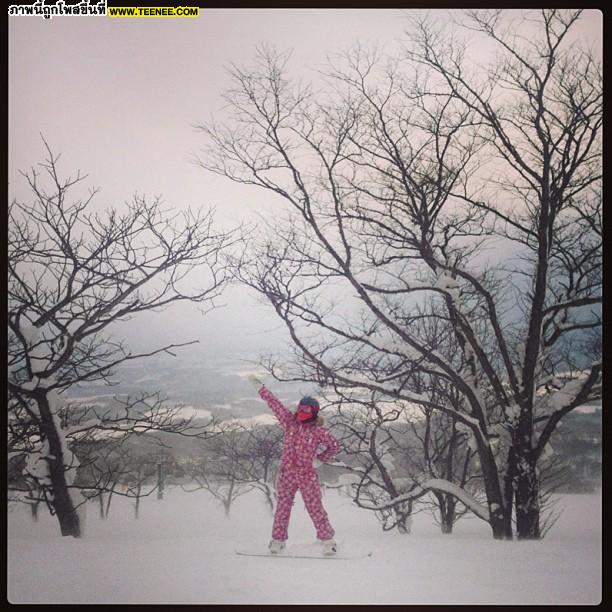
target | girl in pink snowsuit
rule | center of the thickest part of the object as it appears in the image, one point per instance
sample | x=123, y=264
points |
x=304, y=434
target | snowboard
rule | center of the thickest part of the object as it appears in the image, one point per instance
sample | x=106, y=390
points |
x=304, y=553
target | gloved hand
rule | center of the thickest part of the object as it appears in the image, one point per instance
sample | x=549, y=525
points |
x=316, y=463
x=257, y=384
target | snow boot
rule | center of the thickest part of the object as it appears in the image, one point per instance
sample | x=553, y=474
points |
x=276, y=546
x=329, y=547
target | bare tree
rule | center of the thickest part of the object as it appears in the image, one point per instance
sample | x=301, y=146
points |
x=111, y=464
x=546, y=136
x=426, y=444
x=443, y=450
x=397, y=450
x=74, y=272
x=398, y=177
x=440, y=446
x=101, y=469
x=220, y=468
x=241, y=458
x=369, y=431
x=139, y=479
x=261, y=456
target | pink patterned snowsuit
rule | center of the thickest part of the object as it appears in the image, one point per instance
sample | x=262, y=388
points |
x=296, y=469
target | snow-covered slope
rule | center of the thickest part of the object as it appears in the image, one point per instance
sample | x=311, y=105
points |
x=181, y=551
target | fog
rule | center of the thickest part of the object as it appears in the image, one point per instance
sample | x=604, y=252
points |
x=118, y=98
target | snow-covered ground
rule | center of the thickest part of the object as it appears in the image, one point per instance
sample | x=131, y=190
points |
x=181, y=550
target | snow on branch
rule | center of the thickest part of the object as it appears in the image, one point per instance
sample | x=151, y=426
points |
x=435, y=484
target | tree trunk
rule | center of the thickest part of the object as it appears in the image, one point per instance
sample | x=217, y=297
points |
x=509, y=488
x=34, y=511
x=444, y=501
x=108, y=501
x=500, y=525
x=137, y=504
x=403, y=514
x=526, y=480
x=160, y=480
x=448, y=514
x=527, y=500
x=227, y=502
x=62, y=502
x=269, y=493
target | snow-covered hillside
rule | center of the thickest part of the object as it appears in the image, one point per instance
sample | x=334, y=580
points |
x=181, y=551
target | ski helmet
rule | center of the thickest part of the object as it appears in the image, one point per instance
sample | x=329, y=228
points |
x=307, y=409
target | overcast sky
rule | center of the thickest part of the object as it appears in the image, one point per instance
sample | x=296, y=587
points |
x=118, y=98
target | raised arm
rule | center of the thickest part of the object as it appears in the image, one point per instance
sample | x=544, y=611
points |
x=283, y=414
x=332, y=446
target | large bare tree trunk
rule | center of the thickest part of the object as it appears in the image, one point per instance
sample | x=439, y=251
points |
x=447, y=506
x=501, y=527
x=509, y=488
x=527, y=498
x=62, y=501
